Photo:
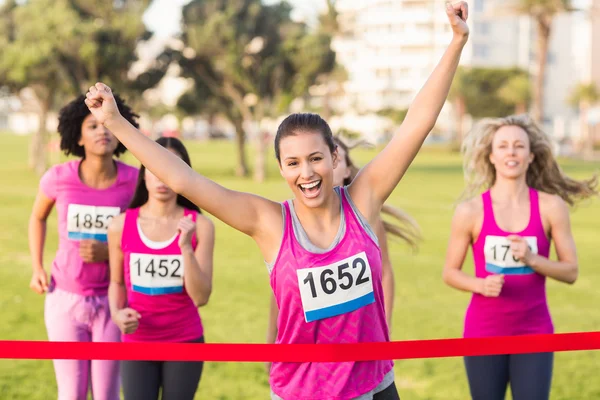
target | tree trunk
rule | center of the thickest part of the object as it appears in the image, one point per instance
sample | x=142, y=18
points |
x=262, y=141
x=543, y=39
x=586, y=140
x=240, y=138
x=460, y=117
x=38, y=151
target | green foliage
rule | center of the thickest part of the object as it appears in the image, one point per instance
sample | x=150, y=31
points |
x=240, y=48
x=584, y=93
x=481, y=89
x=66, y=46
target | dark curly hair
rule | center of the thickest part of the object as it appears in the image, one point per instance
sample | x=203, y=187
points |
x=70, y=120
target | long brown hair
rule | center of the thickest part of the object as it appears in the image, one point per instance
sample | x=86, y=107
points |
x=406, y=227
x=543, y=173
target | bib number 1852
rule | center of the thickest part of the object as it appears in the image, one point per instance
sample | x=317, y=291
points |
x=336, y=289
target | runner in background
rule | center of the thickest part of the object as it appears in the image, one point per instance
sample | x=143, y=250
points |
x=87, y=193
x=510, y=227
x=161, y=262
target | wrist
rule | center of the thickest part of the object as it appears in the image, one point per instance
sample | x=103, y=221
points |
x=478, y=286
x=38, y=268
x=459, y=40
x=111, y=122
x=186, y=248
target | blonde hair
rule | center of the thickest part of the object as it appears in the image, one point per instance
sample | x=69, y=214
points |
x=406, y=227
x=543, y=173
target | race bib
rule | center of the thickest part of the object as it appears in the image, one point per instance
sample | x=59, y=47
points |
x=155, y=274
x=336, y=289
x=499, y=258
x=89, y=222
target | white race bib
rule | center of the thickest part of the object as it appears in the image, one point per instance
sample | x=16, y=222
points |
x=155, y=274
x=499, y=258
x=89, y=222
x=336, y=289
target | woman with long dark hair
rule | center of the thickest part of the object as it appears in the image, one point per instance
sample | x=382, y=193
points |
x=161, y=255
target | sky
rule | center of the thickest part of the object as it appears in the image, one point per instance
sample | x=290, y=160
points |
x=163, y=15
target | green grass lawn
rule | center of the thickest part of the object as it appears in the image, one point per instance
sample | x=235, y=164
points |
x=424, y=307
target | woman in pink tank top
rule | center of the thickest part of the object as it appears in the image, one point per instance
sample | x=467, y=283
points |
x=87, y=193
x=161, y=256
x=325, y=263
x=510, y=227
x=406, y=229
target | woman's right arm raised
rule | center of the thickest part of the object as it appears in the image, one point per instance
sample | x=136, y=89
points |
x=245, y=212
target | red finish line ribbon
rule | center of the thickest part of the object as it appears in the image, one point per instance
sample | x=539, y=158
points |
x=237, y=352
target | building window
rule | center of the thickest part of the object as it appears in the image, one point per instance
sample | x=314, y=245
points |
x=482, y=28
x=480, y=50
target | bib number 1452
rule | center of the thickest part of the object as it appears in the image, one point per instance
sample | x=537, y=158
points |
x=336, y=289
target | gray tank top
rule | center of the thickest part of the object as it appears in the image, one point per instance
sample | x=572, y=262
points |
x=305, y=242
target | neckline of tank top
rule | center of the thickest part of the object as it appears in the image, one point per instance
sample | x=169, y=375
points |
x=529, y=221
x=117, y=164
x=302, y=237
x=154, y=245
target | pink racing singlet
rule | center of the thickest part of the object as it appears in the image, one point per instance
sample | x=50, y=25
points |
x=84, y=213
x=155, y=289
x=521, y=307
x=333, y=297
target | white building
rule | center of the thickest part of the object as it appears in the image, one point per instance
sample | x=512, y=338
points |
x=389, y=48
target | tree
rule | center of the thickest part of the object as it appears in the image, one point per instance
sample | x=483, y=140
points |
x=517, y=92
x=542, y=12
x=253, y=57
x=583, y=97
x=58, y=48
x=478, y=92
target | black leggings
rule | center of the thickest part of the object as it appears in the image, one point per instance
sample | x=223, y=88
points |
x=142, y=380
x=529, y=375
x=389, y=393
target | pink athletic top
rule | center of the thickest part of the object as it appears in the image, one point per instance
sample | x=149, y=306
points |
x=334, y=297
x=84, y=213
x=521, y=307
x=155, y=289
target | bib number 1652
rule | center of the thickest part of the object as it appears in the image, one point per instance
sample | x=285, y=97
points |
x=344, y=280
x=336, y=289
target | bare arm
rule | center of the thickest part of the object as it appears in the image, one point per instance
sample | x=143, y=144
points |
x=387, y=278
x=245, y=212
x=117, y=293
x=125, y=318
x=458, y=245
x=198, y=265
x=37, y=237
x=376, y=181
x=566, y=268
x=272, y=325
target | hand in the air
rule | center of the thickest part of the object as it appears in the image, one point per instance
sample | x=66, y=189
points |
x=457, y=15
x=101, y=102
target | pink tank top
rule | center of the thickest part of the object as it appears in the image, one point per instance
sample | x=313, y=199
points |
x=84, y=213
x=154, y=282
x=334, y=297
x=521, y=307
